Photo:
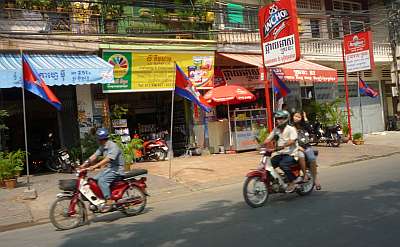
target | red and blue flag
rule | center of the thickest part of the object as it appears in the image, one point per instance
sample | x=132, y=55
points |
x=365, y=89
x=36, y=85
x=280, y=89
x=185, y=88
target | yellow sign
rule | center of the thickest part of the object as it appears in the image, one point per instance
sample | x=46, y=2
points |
x=156, y=71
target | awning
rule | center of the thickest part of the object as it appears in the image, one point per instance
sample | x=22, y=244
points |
x=57, y=69
x=305, y=71
x=302, y=70
x=251, y=59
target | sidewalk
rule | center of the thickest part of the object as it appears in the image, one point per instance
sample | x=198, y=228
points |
x=188, y=174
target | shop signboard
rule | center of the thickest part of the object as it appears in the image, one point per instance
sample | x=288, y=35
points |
x=358, y=51
x=245, y=77
x=122, y=62
x=155, y=71
x=279, y=33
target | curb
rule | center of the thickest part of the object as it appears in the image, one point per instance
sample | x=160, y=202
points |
x=191, y=189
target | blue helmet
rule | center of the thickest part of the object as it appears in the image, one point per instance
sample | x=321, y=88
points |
x=102, y=134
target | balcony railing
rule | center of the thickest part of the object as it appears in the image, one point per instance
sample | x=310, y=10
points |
x=89, y=22
x=332, y=48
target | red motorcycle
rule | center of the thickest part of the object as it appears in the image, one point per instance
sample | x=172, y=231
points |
x=266, y=180
x=69, y=210
x=153, y=150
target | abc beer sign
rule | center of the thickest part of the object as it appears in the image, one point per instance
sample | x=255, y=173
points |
x=358, y=51
x=279, y=33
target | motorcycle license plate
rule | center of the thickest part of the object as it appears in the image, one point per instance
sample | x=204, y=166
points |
x=340, y=132
x=65, y=156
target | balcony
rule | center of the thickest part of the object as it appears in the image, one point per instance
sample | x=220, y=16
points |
x=98, y=20
x=323, y=50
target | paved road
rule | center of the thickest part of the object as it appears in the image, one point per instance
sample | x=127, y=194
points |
x=359, y=206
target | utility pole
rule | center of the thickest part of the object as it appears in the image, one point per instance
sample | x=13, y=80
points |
x=393, y=23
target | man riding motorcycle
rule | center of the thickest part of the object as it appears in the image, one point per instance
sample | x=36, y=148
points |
x=287, y=148
x=112, y=159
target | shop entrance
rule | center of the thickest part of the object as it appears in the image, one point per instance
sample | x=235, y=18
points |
x=149, y=116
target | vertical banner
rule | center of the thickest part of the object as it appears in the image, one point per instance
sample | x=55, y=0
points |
x=279, y=33
x=358, y=52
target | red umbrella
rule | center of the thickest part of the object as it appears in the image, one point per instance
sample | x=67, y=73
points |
x=230, y=95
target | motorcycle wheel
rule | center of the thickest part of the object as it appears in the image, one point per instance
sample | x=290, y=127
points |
x=53, y=165
x=59, y=214
x=255, y=192
x=160, y=154
x=336, y=141
x=306, y=188
x=137, y=194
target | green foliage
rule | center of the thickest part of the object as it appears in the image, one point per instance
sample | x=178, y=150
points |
x=11, y=164
x=89, y=145
x=118, y=112
x=128, y=149
x=76, y=153
x=262, y=135
x=330, y=113
x=3, y=114
x=358, y=136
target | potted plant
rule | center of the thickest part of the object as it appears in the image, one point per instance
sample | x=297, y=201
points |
x=358, y=138
x=144, y=12
x=130, y=150
x=11, y=164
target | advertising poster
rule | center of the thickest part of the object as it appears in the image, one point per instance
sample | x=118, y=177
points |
x=155, y=71
x=358, y=51
x=279, y=33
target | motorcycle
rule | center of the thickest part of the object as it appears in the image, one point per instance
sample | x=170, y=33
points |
x=153, y=150
x=331, y=135
x=266, y=180
x=57, y=160
x=69, y=211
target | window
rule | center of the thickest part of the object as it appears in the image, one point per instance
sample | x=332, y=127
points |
x=315, y=28
x=302, y=4
x=236, y=16
x=346, y=5
x=356, y=26
x=309, y=4
x=336, y=29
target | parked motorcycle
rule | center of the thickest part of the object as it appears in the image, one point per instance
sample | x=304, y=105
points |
x=69, y=210
x=260, y=183
x=57, y=160
x=331, y=135
x=153, y=150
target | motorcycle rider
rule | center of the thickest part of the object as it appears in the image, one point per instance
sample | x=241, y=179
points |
x=286, y=151
x=112, y=159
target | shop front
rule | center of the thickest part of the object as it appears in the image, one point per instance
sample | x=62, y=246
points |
x=143, y=85
x=65, y=74
x=306, y=81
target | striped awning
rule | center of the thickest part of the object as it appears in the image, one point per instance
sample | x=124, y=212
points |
x=57, y=69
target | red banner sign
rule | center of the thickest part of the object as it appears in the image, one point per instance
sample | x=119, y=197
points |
x=279, y=33
x=358, y=50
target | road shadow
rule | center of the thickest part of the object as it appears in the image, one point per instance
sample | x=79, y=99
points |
x=362, y=218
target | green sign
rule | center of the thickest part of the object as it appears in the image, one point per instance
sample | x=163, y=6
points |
x=122, y=71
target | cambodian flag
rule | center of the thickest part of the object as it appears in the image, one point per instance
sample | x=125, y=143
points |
x=36, y=85
x=185, y=88
x=365, y=89
x=280, y=89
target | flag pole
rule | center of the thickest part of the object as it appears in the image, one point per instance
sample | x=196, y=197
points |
x=347, y=94
x=359, y=98
x=25, y=133
x=171, y=150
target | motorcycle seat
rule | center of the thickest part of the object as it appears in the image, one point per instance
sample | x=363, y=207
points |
x=134, y=173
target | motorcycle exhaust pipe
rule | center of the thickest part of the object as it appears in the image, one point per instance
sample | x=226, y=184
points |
x=134, y=201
